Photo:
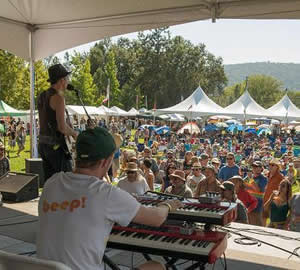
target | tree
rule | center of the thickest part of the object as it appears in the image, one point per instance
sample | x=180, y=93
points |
x=111, y=75
x=265, y=90
x=83, y=81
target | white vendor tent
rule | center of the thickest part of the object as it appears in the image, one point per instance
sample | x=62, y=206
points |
x=118, y=111
x=106, y=111
x=246, y=107
x=79, y=110
x=197, y=104
x=285, y=109
x=174, y=117
x=132, y=112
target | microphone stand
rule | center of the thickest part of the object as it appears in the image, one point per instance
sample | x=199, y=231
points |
x=90, y=121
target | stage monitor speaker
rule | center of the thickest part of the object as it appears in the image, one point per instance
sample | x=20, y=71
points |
x=35, y=165
x=18, y=187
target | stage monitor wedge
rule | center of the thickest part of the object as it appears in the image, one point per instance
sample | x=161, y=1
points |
x=17, y=187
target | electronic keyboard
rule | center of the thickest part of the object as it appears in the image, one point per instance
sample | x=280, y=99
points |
x=167, y=241
x=221, y=213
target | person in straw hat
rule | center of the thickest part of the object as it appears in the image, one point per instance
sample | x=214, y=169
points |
x=274, y=179
x=133, y=182
x=194, y=179
x=179, y=186
x=243, y=195
x=85, y=208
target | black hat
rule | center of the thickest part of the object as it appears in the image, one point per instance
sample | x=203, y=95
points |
x=57, y=72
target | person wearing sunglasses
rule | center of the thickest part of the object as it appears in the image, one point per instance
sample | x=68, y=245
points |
x=209, y=183
x=179, y=186
x=171, y=167
x=4, y=161
x=133, y=182
x=194, y=179
x=230, y=169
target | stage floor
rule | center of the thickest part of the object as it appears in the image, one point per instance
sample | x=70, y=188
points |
x=18, y=225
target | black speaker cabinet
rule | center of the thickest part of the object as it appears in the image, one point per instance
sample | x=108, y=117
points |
x=35, y=165
x=18, y=187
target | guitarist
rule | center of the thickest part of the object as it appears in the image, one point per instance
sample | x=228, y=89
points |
x=53, y=127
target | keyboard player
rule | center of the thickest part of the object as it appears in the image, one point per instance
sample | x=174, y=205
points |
x=78, y=209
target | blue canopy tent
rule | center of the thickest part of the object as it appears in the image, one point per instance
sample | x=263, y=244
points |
x=250, y=130
x=235, y=127
x=162, y=130
x=210, y=128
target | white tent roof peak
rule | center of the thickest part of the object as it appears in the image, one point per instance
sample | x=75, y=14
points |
x=285, y=109
x=119, y=111
x=197, y=104
x=246, y=105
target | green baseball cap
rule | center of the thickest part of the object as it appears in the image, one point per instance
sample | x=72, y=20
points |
x=94, y=144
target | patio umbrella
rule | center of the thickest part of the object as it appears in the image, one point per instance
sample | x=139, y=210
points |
x=231, y=128
x=232, y=121
x=250, y=130
x=265, y=131
x=221, y=125
x=263, y=126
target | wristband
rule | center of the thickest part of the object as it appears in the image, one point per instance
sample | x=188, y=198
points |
x=167, y=204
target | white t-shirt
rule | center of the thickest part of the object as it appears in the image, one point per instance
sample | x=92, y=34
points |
x=193, y=181
x=137, y=187
x=77, y=213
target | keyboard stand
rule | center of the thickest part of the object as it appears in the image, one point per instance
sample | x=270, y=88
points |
x=110, y=263
x=170, y=263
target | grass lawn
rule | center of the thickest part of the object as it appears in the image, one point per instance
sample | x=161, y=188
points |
x=17, y=164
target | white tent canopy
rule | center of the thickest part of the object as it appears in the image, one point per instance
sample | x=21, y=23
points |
x=106, y=111
x=174, y=117
x=132, y=112
x=246, y=107
x=285, y=109
x=56, y=25
x=118, y=111
x=197, y=104
x=79, y=110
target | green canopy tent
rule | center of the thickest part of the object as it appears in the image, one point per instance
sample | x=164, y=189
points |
x=6, y=110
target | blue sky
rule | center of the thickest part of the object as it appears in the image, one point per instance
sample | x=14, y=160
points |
x=240, y=41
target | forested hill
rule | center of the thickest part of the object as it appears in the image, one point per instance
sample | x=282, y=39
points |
x=287, y=73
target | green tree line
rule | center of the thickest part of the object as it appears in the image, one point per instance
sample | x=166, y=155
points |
x=156, y=68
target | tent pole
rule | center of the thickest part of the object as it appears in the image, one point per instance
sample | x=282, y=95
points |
x=33, y=140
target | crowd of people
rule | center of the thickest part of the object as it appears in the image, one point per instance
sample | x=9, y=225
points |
x=256, y=172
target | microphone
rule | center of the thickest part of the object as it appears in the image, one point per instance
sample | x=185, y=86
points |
x=70, y=87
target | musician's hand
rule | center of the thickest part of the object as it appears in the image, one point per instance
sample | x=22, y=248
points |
x=174, y=204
